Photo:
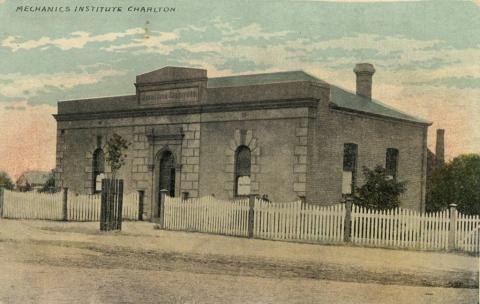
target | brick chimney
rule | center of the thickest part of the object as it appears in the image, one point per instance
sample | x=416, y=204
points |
x=440, y=148
x=364, y=72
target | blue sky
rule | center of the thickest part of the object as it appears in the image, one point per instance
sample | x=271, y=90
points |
x=426, y=55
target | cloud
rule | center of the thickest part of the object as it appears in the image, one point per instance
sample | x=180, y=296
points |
x=15, y=108
x=458, y=82
x=250, y=31
x=18, y=85
x=151, y=44
x=74, y=40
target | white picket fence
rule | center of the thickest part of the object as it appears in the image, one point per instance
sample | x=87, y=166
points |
x=297, y=221
x=43, y=206
x=400, y=228
x=467, y=233
x=32, y=205
x=395, y=228
x=86, y=208
x=207, y=215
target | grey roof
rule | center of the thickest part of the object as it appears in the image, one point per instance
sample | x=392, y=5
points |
x=259, y=79
x=340, y=98
x=349, y=101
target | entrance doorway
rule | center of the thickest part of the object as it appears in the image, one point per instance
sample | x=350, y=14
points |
x=166, y=178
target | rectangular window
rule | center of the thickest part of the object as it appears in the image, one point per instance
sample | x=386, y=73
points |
x=391, y=163
x=349, y=168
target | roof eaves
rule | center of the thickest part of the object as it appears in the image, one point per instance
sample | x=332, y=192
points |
x=350, y=110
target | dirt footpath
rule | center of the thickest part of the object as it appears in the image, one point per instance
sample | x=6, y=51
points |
x=54, y=262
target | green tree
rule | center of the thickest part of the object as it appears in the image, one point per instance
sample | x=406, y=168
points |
x=115, y=153
x=49, y=185
x=6, y=181
x=379, y=191
x=458, y=182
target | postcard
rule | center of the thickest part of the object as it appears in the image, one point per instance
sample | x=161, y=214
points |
x=239, y=151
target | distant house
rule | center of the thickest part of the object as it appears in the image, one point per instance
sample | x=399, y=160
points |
x=32, y=180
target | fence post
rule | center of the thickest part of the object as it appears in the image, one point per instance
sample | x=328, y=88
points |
x=348, y=220
x=251, y=214
x=141, y=201
x=161, y=212
x=453, y=227
x=1, y=201
x=65, y=205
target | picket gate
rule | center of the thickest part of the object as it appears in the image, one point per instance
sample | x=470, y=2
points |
x=467, y=233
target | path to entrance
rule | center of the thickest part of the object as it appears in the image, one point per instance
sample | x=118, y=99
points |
x=51, y=262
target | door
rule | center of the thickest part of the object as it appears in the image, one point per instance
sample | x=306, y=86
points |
x=166, y=178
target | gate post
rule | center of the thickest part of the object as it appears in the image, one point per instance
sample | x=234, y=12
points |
x=453, y=227
x=251, y=214
x=141, y=201
x=161, y=212
x=348, y=220
x=65, y=205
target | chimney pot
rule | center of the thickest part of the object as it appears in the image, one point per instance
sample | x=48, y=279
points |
x=364, y=72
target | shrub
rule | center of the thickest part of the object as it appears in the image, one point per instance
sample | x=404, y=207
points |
x=380, y=191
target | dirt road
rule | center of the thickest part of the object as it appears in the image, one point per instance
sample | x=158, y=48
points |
x=51, y=262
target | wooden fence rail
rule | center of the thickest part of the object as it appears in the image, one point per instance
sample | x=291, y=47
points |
x=86, y=208
x=207, y=215
x=467, y=233
x=400, y=228
x=396, y=228
x=32, y=205
x=297, y=221
x=42, y=206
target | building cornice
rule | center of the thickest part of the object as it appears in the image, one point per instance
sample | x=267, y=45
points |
x=192, y=109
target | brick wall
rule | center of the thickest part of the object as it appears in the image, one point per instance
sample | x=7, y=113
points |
x=373, y=136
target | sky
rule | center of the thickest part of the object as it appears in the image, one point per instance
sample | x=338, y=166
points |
x=426, y=55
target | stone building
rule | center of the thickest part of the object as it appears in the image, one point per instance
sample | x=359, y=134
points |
x=288, y=135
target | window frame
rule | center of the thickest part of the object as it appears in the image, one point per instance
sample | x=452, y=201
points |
x=96, y=170
x=352, y=150
x=389, y=159
x=238, y=174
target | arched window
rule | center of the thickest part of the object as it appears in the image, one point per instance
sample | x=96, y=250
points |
x=350, y=152
x=98, y=170
x=242, y=171
x=391, y=163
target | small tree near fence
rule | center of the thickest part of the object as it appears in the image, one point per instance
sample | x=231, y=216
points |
x=49, y=185
x=112, y=188
x=6, y=181
x=380, y=190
